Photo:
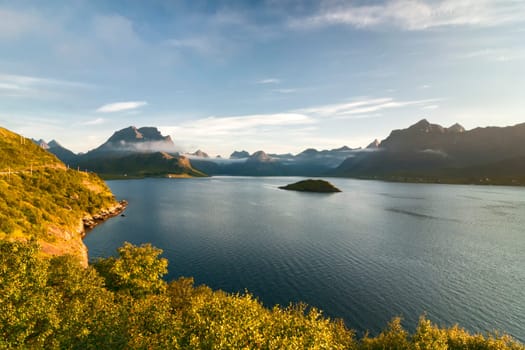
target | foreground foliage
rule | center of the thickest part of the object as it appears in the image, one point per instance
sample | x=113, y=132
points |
x=123, y=303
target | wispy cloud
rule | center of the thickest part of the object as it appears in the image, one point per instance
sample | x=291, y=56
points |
x=24, y=85
x=213, y=45
x=97, y=121
x=361, y=107
x=416, y=14
x=121, y=106
x=213, y=126
x=285, y=91
x=202, y=44
x=223, y=134
x=269, y=81
x=494, y=54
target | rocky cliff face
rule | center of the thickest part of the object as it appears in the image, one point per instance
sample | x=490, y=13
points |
x=132, y=139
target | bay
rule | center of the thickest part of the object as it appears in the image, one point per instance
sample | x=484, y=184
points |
x=375, y=251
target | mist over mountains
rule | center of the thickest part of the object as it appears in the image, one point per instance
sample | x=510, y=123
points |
x=431, y=153
x=423, y=152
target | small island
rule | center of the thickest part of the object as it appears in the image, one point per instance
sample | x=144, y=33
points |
x=311, y=185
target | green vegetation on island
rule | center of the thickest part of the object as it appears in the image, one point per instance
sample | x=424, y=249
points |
x=311, y=185
x=122, y=302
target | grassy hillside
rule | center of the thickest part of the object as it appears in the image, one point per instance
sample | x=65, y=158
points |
x=139, y=165
x=40, y=198
x=123, y=303
x=19, y=153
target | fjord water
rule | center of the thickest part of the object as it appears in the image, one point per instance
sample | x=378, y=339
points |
x=375, y=251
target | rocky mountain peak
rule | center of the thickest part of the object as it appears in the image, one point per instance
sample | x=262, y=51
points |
x=260, y=156
x=239, y=154
x=54, y=144
x=199, y=153
x=424, y=126
x=131, y=139
x=43, y=144
x=373, y=145
x=456, y=128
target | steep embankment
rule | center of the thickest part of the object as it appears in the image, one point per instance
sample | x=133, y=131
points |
x=40, y=198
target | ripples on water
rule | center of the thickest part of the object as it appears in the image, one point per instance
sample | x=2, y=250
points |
x=375, y=251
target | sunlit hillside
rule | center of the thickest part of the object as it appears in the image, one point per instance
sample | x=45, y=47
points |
x=40, y=198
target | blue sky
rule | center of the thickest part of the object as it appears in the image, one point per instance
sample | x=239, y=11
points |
x=276, y=75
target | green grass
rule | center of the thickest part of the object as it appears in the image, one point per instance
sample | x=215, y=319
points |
x=40, y=198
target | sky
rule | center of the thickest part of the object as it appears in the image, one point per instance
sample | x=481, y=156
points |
x=273, y=75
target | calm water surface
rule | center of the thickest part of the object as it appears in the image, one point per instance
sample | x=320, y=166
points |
x=375, y=251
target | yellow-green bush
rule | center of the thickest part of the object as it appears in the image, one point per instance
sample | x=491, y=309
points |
x=123, y=303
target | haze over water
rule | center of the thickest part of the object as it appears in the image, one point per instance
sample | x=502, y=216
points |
x=375, y=251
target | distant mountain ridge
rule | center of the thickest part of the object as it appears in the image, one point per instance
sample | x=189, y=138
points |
x=131, y=152
x=136, y=140
x=430, y=152
x=309, y=162
x=200, y=154
x=239, y=154
x=422, y=152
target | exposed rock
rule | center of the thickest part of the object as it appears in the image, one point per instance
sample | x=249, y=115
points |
x=456, y=128
x=199, y=153
x=90, y=221
x=373, y=145
x=260, y=156
x=239, y=154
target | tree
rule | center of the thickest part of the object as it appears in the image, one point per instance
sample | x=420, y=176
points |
x=28, y=315
x=136, y=271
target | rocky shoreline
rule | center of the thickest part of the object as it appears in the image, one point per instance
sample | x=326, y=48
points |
x=90, y=221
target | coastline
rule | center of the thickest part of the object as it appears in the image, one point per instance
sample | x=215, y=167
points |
x=91, y=221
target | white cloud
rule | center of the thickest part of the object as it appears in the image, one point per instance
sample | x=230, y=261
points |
x=121, y=106
x=285, y=91
x=272, y=132
x=213, y=45
x=202, y=45
x=213, y=126
x=494, y=54
x=417, y=14
x=430, y=107
x=269, y=81
x=97, y=121
x=30, y=86
x=360, y=108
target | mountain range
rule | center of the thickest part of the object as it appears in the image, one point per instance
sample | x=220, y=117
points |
x=431, y=153
x=423, y=152
x=130, y=152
